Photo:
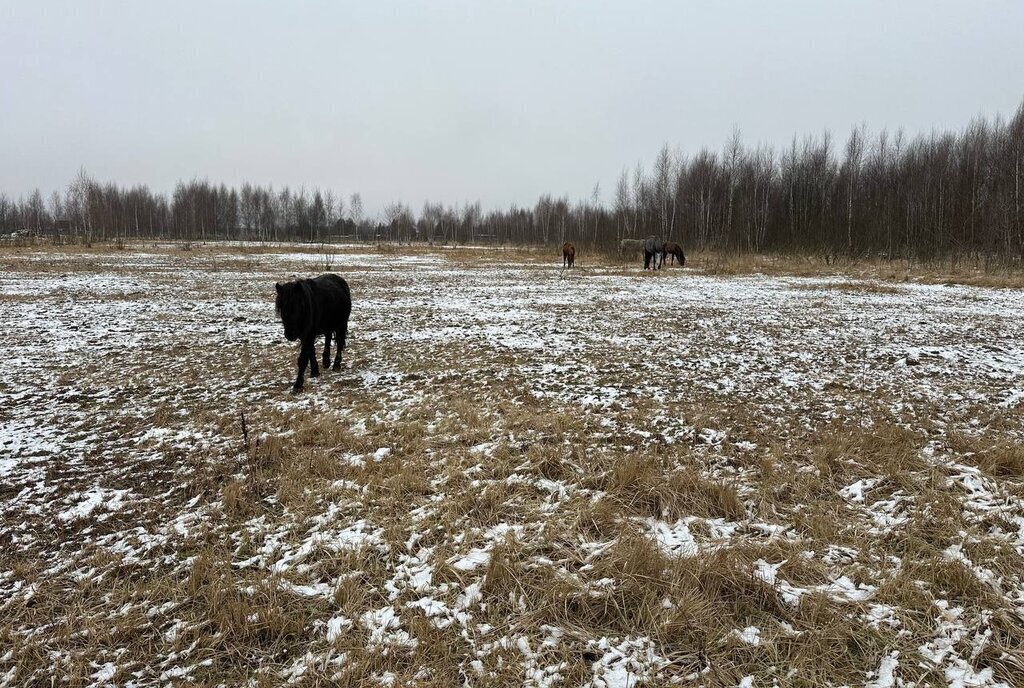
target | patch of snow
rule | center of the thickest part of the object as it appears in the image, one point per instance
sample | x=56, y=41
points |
x=105, y=674
x=885, y=675
x=751, y=635
x=855, y=492
x=335, y=627
x=90, y=501
x=674, y=539
x=473, y=559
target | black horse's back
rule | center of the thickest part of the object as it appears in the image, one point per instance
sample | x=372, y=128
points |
x=332, y=281
x=310, y=308
x=335, y=299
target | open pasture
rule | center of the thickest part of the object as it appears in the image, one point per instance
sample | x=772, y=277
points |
x=520, y=476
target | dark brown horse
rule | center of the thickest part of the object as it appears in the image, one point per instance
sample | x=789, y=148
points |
x=675, y=250
x=568, y=255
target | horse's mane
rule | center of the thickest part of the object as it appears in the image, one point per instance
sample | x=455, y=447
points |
x=286, y=302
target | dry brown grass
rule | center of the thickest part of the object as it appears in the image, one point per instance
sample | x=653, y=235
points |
x=998, y=457
x=855, y=287
x=868, y=275
x=214, y=567
x=889, y=271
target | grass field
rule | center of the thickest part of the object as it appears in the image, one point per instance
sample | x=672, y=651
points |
x=522, y=476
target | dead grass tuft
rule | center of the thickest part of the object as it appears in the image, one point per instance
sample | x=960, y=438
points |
x=1000, y=458
x=647, y=485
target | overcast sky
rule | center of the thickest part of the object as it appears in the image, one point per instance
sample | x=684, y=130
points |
x=459, y=101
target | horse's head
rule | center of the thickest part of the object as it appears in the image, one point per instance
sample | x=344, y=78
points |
x=292, y=305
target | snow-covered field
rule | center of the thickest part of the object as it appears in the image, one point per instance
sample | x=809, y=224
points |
x=520, y=477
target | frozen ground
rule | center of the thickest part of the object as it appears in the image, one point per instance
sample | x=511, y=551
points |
x=520, y=477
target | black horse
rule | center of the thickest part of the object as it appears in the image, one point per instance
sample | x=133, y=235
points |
x=653, y=247
x=310, y=308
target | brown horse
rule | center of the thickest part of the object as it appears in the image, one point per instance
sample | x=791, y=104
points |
x=568, y=255
x=675, y=250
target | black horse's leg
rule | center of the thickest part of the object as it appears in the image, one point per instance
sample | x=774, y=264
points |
x=340, y=334
x=303, y=360
x=327, y=349
x=314, y=367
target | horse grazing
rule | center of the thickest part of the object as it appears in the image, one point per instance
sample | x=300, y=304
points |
x=653, y=247
x=676, y=251
x=310, y=308
x=568, y=255
x=630, y=247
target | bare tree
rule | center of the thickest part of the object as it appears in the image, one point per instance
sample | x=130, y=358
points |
x=622, y=207
x=851, y=173
x=355, y=209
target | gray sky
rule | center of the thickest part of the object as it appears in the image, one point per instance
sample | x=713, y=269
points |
x=459, y=101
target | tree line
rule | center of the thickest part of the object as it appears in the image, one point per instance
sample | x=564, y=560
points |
x=197, y=210
x=926, y=196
